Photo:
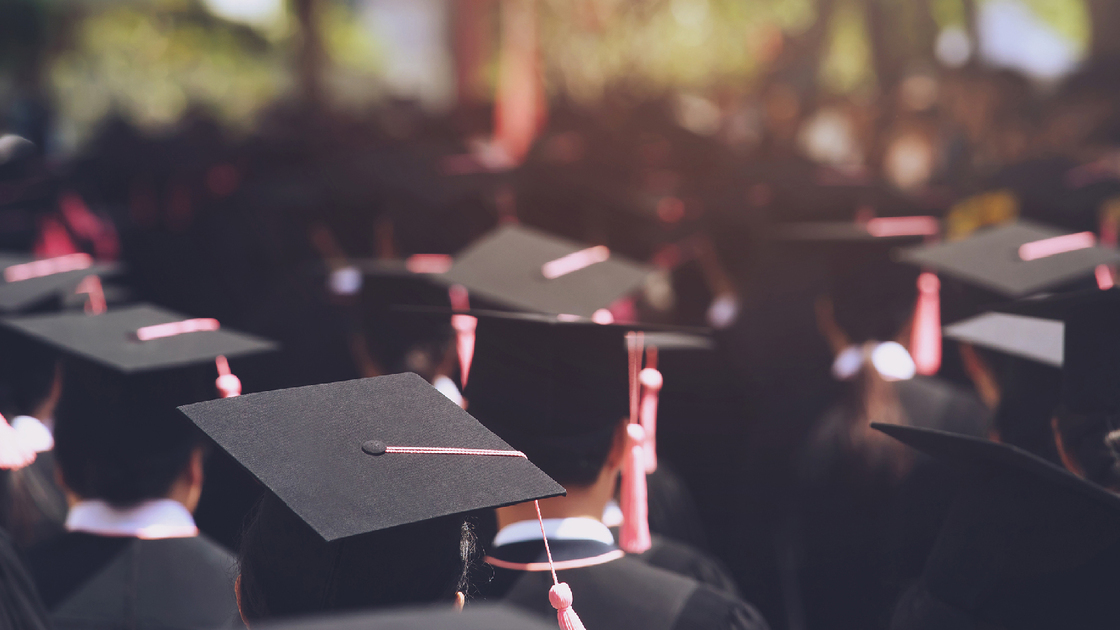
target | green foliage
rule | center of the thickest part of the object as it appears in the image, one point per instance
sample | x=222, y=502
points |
x=847, y=65
x=588, y=45
x=151, y=65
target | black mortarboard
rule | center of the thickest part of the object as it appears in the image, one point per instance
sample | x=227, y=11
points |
x=1090, y=347
x=321, y=450
x=27, y=283
x=111, y=339
x=1016, y=259
x=1027, y=544
x=1020, y=336
x=480, y=617
x=521, y=268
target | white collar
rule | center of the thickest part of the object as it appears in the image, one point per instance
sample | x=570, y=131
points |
x=149, y=520
x=890, y=360
x=33, y=434
x=577, y=528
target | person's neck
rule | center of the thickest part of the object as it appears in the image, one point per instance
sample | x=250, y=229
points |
x=581, y=501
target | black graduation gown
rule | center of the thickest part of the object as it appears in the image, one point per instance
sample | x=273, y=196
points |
x=670, y=555
x=864, y=535
x=90, y=581
x=623, y=593
x=20, y=608
x=36, y=506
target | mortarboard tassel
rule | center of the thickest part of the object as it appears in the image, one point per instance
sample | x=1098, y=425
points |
x=95, y=295
x=925, y=337
x=464, y=326
x=13, y=453
x=633, y=536
x=651, y=381
x=227, y=383
x=560, y=594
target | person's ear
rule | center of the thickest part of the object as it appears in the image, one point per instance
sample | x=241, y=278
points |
x=237, y=596
x=618, y=446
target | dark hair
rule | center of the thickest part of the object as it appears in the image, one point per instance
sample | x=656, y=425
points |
x=570, y=460
x=1090, y=441
x=288, y=569
x=873, y=299
x=27, y=374
x=120, y=439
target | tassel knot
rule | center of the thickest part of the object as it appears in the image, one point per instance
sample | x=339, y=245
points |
x=227, y=383
x=560, y=595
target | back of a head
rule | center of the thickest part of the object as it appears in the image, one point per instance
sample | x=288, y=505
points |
x=556, y=392
x=287, y=569
x=27, y=375
x=872, y=296
x=119, y=438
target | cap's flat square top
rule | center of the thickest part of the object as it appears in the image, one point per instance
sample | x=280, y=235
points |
x=991, y=260
x=110, y=339
x=306, y=445
x=506, y=266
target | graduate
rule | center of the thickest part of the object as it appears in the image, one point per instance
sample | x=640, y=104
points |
x=557, y=389
x=434, y=617
x=372, y=485
x=1026, y=545
x=855, y=538
x=132, y=469
x=20, y=607
x=1015, y=362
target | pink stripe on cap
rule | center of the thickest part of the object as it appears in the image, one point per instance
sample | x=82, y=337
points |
x=171, y=329
x=575, y=261
x=1057, y=245
x=47, y=267
x=428, y=263
x=881, y=227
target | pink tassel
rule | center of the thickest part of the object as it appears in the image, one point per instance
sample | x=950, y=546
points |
x=651, y=383
x=561, y=597
x=13, y=454
x=634, y=535
x=228, y=384
x=95, y=302
x=464, y=326
x=925, y=339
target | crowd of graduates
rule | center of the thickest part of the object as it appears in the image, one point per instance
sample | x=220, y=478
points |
x=798, y=254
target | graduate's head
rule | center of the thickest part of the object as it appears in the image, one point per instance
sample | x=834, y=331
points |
x=288, y=569
x=30, y=379
x=558, y=391
x=119, y=438
x=360, y=513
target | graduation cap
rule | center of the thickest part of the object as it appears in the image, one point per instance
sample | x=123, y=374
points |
x=27, y=283
x=1016, y=259
x=1027, y=544
x=1025, y=358
x=1090, y=346
x=557, y=387
x=345, y=477
x=871, y=292
x=362, y=456
x=521, y=268
x=1030, y=338
x=136, y=339
x=481, y=617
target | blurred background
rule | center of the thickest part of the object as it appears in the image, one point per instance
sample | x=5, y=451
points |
x=231, y=150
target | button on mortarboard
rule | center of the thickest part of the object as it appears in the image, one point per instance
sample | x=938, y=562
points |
x=312, y=446
x=1016, y=259
x=521, y=268
x=110, y=339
